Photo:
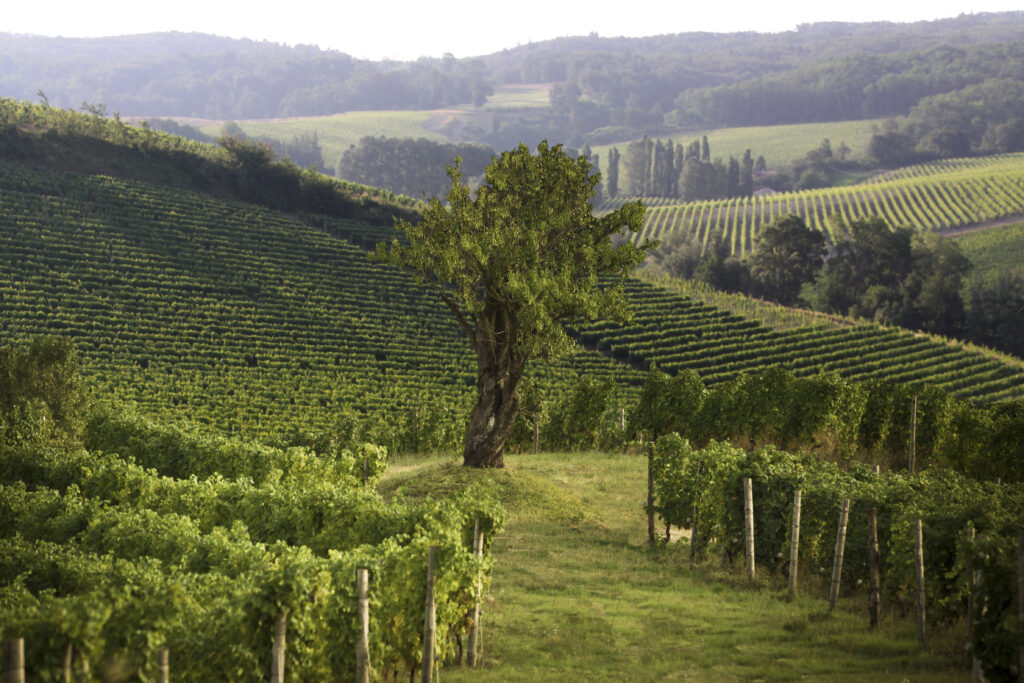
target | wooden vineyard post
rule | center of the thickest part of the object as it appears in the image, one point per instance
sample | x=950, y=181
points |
x=875, y=583
x=913, y=435
x=163, y=661
x=695, y=520
x=14, y=660
x=748, y=510
x=1020, y=599
x=972, y=585
x=473, y=640
x=429, y=619
x=794, y=545
x=837, y=561
x=622, y=419
x=280, y=646
x=363, y=607
x=536, y=435
x=67, y=674
x=919, y=572
x=650, y=494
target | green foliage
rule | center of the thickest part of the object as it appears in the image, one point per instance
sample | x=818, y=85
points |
x=702, y=490
x=41, y=393
x=668, y=404
x=575, y=421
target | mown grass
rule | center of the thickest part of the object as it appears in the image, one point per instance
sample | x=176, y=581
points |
x=578, y=595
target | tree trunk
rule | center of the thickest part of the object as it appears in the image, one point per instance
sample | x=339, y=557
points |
x=493, y=417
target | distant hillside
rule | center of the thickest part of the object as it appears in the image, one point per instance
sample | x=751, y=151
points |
x=605, y=89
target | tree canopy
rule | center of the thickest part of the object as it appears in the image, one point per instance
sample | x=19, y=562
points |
x=514, y=263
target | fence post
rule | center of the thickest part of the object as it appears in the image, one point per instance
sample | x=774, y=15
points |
x=14, y=660
x=972, y=585
x=66, y=666
x=622, y=419
x=875, y=583
x=837, y=561
x=650, y=493
x=163, y=661
x=472, y=642
x=1020, y=598
x=919, y=572
x=748, y=510
x=913, y=435
x=429, y=619
x=363, y=607
x=794, y=545
x=278, y=653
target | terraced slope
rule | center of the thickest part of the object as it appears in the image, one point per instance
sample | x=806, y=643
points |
x=226, y=313
x=677, y=333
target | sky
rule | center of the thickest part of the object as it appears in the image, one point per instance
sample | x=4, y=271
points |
x=408, y=29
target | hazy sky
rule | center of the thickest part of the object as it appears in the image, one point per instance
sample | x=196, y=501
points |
x=407, y=29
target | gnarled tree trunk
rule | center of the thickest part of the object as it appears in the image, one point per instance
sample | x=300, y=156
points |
x=499, y=374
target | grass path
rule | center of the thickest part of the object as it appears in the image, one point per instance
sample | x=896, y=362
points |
x=576, y=594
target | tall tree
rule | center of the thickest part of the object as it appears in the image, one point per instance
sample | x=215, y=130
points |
x=513, y=264
x=787, y=255
x=613, y=172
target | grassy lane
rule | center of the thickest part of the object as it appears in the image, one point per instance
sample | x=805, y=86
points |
x=577, y=596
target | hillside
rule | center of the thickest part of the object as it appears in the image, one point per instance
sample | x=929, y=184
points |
x=938, y=196
x=227, y=313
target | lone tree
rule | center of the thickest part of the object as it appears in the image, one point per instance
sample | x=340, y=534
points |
x=513, y=264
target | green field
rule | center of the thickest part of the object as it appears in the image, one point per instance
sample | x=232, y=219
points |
x=337, y=132
x=779, y=145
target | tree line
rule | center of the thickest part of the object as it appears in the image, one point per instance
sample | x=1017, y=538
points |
x=408, y=166
x=670, y=169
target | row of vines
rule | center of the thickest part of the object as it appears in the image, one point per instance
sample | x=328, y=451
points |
x=156, y=538
x=677, y=334
x=970, y=528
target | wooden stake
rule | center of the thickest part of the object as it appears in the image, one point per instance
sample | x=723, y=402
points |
x=919, y=567
x=1020, y=599
x=163, y=660
x=474, y=628
x=363, y=608
x=280, y=645
x=536, y=435
x=837, y=561
x=69, y=657
x=875, y=583
x=913, y=434
x=972, y=586
x=748, y=509
x=650, y=494
x=14, y=660
x=622, y=419
x=794, y=545
x=429, y=619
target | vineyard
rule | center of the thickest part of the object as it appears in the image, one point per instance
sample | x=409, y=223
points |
x=203, y=546
x=937, y=196
x=231, y=315
x=676, y=333
x=969, y=528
